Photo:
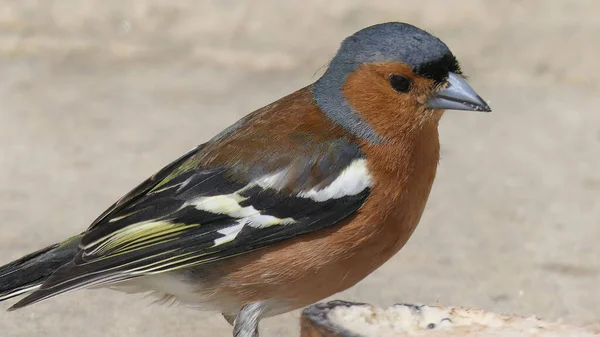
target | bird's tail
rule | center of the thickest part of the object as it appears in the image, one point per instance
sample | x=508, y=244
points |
x=27, y=274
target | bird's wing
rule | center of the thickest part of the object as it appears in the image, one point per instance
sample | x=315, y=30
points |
x=189, y=214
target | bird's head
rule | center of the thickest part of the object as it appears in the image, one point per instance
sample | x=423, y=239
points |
x=391, y=77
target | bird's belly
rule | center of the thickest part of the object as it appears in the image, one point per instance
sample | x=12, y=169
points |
x=293, y=274
x=175, y=288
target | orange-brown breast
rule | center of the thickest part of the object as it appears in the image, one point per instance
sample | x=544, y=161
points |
x=316, y=265
x=311, y=267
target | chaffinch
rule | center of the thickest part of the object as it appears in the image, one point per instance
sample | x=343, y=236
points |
x=295, y=202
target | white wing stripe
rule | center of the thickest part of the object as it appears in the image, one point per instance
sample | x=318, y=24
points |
x=354, y=179
x=230, y=233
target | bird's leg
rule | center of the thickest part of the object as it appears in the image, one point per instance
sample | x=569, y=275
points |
x=246, y=321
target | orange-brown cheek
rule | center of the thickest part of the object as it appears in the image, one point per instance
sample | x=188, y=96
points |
x=391, y=114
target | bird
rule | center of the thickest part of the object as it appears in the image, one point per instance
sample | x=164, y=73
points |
x=295, y=202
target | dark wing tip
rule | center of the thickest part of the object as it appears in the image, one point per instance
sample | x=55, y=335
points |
x=32, y=298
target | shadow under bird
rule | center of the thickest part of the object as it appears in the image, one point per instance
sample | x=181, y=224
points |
x=297, y=201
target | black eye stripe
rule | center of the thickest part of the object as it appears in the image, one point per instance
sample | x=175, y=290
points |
x=400, y=83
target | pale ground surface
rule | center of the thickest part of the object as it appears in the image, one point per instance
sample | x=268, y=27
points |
x=97, y=95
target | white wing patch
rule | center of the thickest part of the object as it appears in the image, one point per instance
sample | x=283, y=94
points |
x=222, y=204
x=256, y=221
x=275, y=181
x=262, y=221
x=230, y=233
x=229, y=205
x=354, y=179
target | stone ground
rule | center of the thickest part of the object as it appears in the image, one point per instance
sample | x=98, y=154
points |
x=95, y=96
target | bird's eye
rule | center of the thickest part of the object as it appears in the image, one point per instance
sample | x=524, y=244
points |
x=400, y=83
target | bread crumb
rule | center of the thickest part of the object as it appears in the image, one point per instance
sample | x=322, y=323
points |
x=422, y=320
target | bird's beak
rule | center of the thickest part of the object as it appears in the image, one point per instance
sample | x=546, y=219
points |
x=458, y=95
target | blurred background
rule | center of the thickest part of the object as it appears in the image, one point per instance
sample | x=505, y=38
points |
x=97, y=95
